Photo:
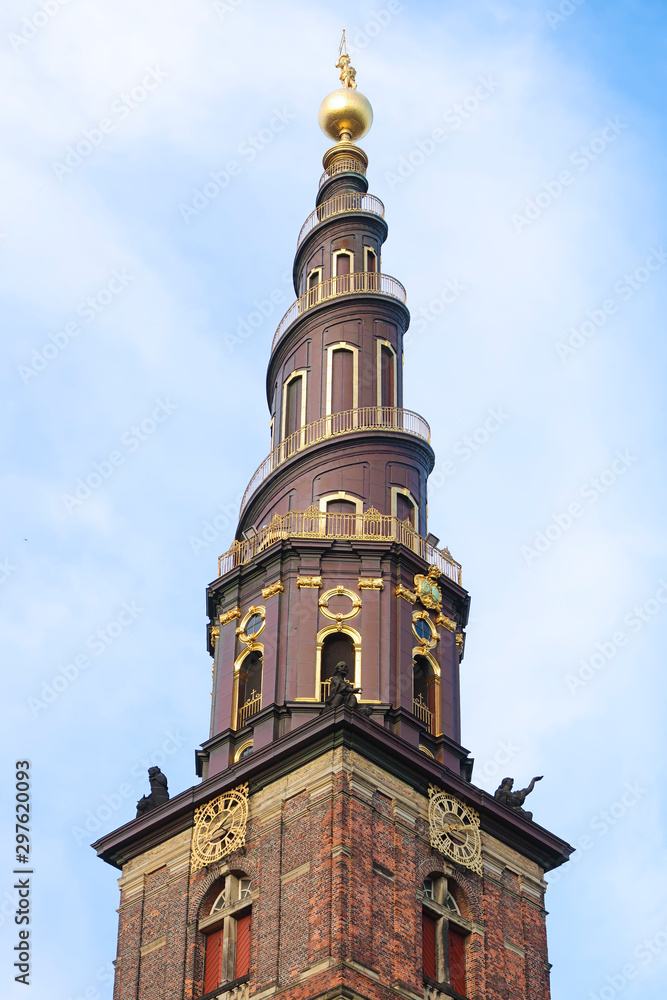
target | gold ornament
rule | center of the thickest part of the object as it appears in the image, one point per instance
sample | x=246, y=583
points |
x=449, y=623
x=454, y=829
x=427, y=590
x=242, y=633
x=339, y=591
x=220, y=827
x=309, y=581
x=459, y=643
x=345, y=115
x=406, y=594
x=371, y=583
x=273, y=588
x=431, y=640
x=229, y=616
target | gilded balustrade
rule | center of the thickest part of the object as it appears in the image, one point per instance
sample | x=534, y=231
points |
x=390, y=418
x=349, y=201
x=421, y=710
x=342, y=284
x=314, y=523
x=340, y=166
x=249, y=708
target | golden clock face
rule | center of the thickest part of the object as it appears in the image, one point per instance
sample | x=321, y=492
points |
x=220, y=827
x=454, y=829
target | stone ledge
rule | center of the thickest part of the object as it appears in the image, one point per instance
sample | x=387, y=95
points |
x=146, y=949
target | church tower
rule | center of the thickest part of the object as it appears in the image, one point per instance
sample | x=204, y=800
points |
x=336, y=845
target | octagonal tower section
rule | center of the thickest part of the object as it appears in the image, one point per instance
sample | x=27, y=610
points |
x=333, y=559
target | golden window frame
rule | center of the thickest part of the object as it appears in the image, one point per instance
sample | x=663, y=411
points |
x=342, y=345
x=435, y=635
x=434, y=680
x=378, y=365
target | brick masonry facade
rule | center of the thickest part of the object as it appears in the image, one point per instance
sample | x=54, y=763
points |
x=337, y=852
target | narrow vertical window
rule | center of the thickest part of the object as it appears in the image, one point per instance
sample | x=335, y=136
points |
x=227, y=929
x=443, y=937
x=314, y=286
x=371, y=260
x=424, y=692
x=249, y=687
x=387, y=377
x=293, y=406
x=405, y=509
x=343, y=263
x=342, y=381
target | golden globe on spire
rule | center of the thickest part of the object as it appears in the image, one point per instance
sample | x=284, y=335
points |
x=345, y=115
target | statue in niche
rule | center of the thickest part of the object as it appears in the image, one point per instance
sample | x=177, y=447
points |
x=343, y=692
x=159, y=792
x=515, y=800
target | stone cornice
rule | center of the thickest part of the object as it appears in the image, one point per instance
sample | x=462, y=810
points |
x=327, y=732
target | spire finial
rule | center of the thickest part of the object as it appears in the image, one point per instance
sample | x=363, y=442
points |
x=345, y=115
x=348, y=74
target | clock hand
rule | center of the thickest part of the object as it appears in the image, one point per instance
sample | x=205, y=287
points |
x=221, y=828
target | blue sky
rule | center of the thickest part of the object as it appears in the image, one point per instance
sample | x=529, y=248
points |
x=544, y=207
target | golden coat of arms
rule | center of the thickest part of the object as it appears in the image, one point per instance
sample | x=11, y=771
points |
x=427, y=589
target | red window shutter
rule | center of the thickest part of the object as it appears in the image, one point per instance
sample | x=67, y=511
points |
x=213, y=966
x=428, y=945
x=243, y=946
x=457, y=961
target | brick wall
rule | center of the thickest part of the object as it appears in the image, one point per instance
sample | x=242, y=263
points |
x=337, y=853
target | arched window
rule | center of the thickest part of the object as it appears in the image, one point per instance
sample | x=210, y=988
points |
x=315, y=277
x=228, y=930
x=335, y=643
x=342, y=381
x=314, y=286
x=341, y=507
x=370, y=260
x=425, y=690
x=405, y=509
x=293, y=410
x=344, y=513
x=249, y=687
x=336, y=647
x=244, y=750
x=293, y=406
x=443, y=935
x=343, y=262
